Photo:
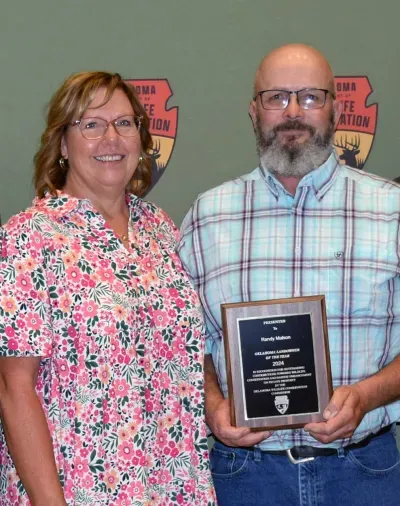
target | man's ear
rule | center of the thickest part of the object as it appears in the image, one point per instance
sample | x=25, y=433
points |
x=253, y=113
x=337, y=111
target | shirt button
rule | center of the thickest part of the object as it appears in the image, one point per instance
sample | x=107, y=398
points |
x=296, y=431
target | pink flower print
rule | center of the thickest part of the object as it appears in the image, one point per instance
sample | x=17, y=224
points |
x=73, y=274
x=119, y=287
x=63, y=368
x=170, y=420
x=23, y=282
x=179, y=347
x=120, y=312
x=81, y=467
x=89, y=309
x=162, y=439
x=121, y=388
x=123, y=434
x=147, y=264
x=179, y=498
x=126, y=450
x=160, y=317
x=30, y=264
x=133, y=428
x=69, y=259
x=88, y=482
x=12, y=344
x=19, y=267
x=111, y=479
x=123, y=500
x=10, y=332
x=173, y=293
x=180, y=303
x=33, y=321
x=189, y=486
x=64, y=302
x=36, y=240
x=174, y=449
x=106, y=274
x=104, y=374
x=172, y=313
x=60, y=240
x=135, y=490
x=165, y=476
x=165, y=380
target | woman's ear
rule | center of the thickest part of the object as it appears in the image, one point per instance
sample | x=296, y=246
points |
x=63, y=147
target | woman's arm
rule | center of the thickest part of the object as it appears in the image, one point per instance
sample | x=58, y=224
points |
x=26, y=431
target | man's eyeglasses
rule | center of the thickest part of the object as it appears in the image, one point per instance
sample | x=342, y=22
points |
x=95, y=128
x=307, y=98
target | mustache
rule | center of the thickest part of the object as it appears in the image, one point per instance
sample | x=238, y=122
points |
x=294, y=125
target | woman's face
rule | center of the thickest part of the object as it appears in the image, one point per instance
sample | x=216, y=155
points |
x=105, y=164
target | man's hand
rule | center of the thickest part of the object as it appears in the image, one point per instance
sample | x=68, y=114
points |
x=219, y=422
x=343, y=415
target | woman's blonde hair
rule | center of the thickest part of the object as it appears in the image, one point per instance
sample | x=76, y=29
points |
x=69, y=103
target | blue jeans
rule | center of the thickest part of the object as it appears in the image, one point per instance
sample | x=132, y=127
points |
x=360, y=477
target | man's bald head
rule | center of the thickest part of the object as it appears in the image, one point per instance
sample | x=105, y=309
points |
x=294, y=138
x=296, y=65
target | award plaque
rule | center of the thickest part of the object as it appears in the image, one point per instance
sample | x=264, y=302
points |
x=277, y=362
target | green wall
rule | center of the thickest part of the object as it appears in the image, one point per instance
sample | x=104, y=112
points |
x=209, y=51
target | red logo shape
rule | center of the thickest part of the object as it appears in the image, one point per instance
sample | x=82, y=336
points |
x=357, y=124
x=154, y=95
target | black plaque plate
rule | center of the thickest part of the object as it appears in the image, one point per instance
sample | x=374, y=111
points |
x=277, y=362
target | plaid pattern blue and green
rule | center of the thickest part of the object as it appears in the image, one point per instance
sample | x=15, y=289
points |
x=249, y=240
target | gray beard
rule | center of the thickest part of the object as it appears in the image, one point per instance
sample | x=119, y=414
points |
x=292, y=159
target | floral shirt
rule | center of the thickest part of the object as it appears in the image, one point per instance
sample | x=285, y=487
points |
x=120, y=336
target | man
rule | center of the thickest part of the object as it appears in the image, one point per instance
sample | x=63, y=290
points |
x=302, y=224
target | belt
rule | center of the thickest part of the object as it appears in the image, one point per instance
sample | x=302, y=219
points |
x=305, y=453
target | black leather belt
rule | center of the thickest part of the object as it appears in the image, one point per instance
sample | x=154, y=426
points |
x=304, y=452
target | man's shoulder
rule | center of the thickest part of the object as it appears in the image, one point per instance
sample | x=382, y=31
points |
x=370, y=182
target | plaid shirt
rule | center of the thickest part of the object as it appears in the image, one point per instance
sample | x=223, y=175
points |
x=249, y=240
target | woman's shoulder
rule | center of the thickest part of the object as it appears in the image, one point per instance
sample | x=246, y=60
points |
x=27, y=220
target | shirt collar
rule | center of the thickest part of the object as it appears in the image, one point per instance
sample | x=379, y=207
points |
x=320, y=179
x=62, y=204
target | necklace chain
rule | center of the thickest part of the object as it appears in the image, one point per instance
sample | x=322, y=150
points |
x=123, y=237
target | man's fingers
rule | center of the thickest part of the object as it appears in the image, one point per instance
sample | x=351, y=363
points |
x=252, y=439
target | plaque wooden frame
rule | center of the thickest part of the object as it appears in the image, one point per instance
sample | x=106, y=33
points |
x=234, y=312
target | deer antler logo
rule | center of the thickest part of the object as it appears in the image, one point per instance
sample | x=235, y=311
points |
x=349, y=154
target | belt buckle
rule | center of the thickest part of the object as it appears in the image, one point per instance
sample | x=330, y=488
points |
x=297, y=461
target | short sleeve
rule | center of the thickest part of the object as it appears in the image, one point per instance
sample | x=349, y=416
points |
x=186, y=250
x=25, y=322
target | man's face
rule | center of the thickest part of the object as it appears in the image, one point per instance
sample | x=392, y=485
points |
x=293, y=141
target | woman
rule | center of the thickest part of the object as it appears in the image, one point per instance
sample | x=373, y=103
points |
x=101, y=380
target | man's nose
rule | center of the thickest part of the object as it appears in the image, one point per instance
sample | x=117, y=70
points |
x=293, y=109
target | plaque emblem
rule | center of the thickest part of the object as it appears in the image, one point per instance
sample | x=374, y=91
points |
x=282, y=403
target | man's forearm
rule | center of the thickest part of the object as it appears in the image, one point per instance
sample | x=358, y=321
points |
x=383, y=387
x=30, y=446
